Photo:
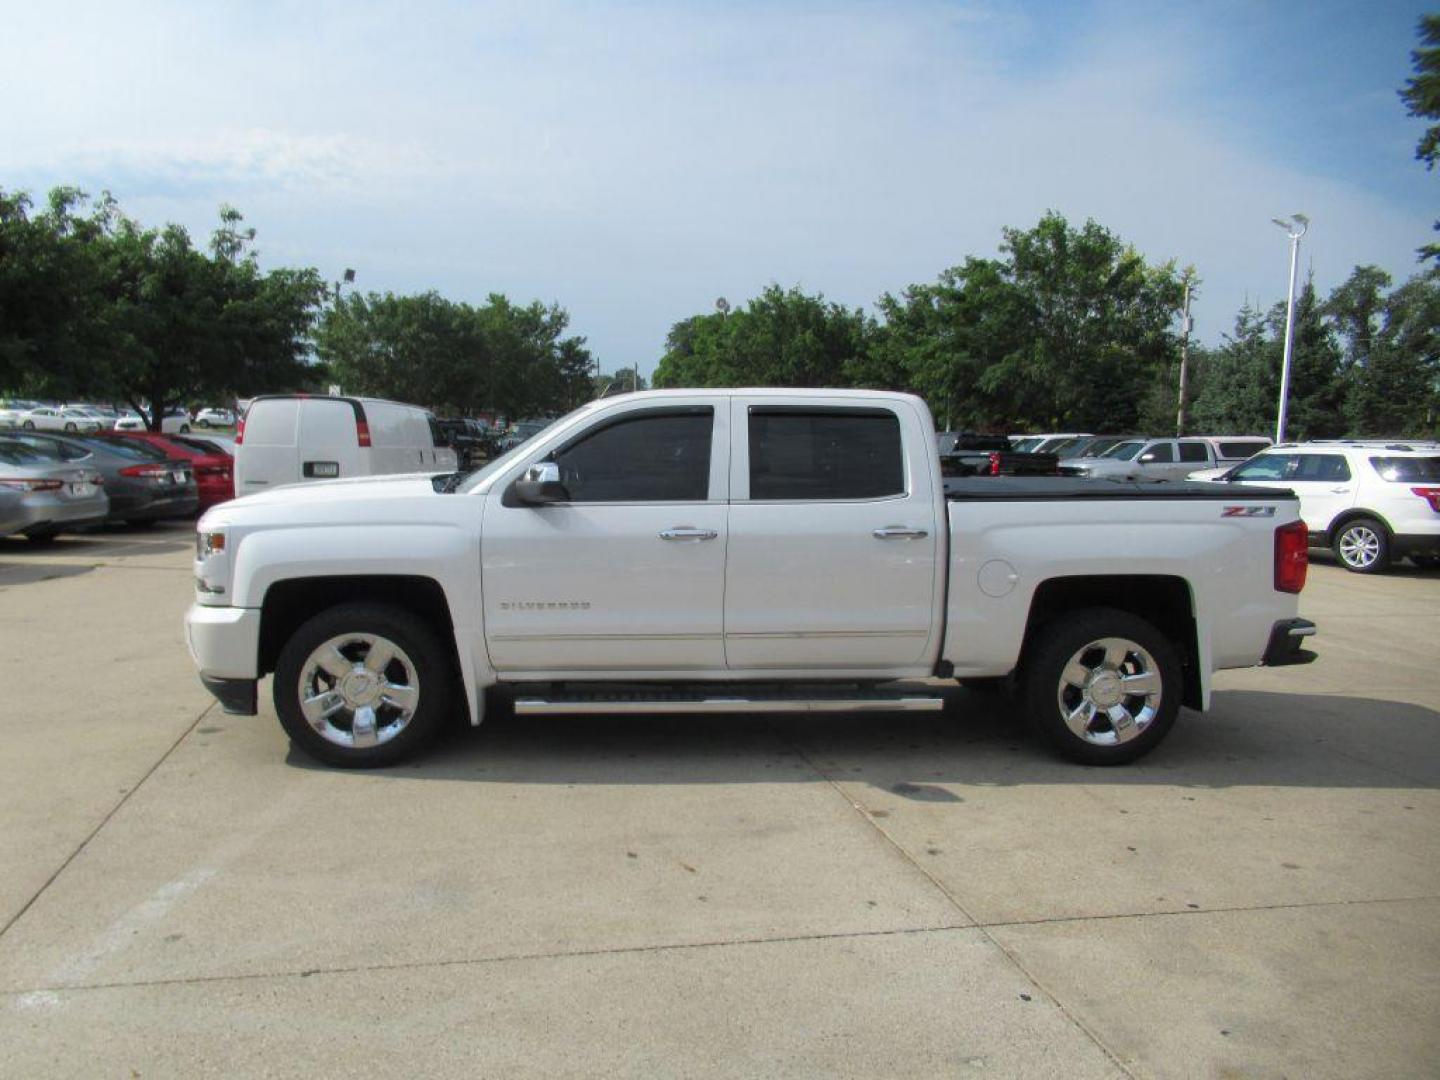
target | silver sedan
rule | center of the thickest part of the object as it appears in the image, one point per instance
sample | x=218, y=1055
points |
x=53, y=496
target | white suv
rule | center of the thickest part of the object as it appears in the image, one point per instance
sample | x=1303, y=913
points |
x=1370, y=501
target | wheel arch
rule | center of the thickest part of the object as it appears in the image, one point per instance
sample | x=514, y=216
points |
x=1354, y=513
x=289, y=602
x=1163, y=600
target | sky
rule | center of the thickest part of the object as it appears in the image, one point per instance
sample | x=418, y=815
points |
x=634, y=162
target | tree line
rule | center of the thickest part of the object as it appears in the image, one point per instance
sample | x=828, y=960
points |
x=95, y=306
x=1071, y=330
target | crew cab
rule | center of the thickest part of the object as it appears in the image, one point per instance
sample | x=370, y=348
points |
x=723, y=551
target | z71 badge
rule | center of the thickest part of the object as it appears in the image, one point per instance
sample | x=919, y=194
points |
x=1248, y=511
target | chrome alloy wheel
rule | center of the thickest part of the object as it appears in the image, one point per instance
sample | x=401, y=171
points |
x=358, y=690
x=1109, y=691
x=1359, y=546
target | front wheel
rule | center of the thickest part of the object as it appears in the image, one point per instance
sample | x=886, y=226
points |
x=28, y=425
x=203, y=422
x=362, y=685
x=1363, y=546
x=1101, y=686
x=184, y=429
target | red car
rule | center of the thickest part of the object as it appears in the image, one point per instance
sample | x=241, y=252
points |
x=212, y=464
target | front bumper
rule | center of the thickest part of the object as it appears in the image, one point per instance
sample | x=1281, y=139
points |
x=1286, y=637
x=236, y=696
x=224, y=642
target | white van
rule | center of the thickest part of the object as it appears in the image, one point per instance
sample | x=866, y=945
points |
x=293, y=438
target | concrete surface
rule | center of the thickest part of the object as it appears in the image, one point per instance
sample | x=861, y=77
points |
x=182, y=895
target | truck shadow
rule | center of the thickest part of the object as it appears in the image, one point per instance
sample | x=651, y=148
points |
x=1249, y=738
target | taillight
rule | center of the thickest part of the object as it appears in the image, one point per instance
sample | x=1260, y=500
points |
x=148, y=472
x=33, y=485
x=362, y=432
x=994, y=463
x=239, y=431
x=1430, y=495
x=1292, y=556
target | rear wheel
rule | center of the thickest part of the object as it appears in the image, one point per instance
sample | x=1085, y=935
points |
x=1101, y=686
x=42, y=536
x=362, y=685
x=28, y=425
x=203, y=422
x=1363, y=546
x=69, y=425
x=184, y=429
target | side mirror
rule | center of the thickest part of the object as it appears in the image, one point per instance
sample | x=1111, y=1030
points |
x=541, y=484
x=1146, y=459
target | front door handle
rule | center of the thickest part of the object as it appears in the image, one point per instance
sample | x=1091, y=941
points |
x=899, y=532
x=1339, y=491
x=688, y=532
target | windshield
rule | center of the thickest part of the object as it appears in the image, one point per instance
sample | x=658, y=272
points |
x=505, y=460
x=1124, y=452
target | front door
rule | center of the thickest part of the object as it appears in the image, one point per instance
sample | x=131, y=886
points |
x=834, y=541
x=628, y=574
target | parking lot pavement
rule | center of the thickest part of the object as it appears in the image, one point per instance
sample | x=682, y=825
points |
x=182, y=895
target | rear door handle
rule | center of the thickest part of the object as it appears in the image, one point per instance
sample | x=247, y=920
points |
x=1339, y=491
x=688, y=532
x=899, y=532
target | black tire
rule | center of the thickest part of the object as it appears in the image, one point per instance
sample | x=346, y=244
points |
x=1362, y=546
x=69, y=427
x=1044, y=685
x=41, y=536
x=184, y=429
x=203, y=422
x=433, y=673
x=28, y=425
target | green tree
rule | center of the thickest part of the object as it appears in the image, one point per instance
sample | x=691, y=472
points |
x=780, y=338
x=1068, y=330
x=1238, y=383
x=1390, y=346
x=94, y=305
x=1421, y=95
x=456, y=357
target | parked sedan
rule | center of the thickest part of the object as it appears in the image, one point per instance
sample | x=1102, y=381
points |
x=144, y=484
x=58, y=418
x=213, y=466
x=176, y=420
x=53, y=495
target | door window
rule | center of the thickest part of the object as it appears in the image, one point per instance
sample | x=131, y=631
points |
x=825, y=454
x=1266, y=467
x=1162, y=453
x=650, y=457
x=1193, y=452
x=1321, y=467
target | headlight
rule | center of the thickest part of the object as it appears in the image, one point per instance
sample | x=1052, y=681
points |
x=209, y=543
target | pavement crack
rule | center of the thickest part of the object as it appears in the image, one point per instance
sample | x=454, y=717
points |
x=1030, y=977
x=104, y=821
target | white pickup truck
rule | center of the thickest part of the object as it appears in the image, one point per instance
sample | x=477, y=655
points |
x=739, y=550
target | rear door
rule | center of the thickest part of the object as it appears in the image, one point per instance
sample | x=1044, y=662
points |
x=1325, y=486
x=1190, y=455
x=329, y=439
x=834, y=547
x=267, y=455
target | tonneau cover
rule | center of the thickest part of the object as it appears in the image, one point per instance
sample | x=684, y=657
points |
x=1049, y=488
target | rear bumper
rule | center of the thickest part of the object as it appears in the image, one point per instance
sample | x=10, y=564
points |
x=147, y=506
x=1286, y=637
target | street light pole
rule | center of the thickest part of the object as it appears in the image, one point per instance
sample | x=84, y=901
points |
x=1294, y=228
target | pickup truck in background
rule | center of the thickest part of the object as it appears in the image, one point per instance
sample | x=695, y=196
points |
x=965, y=454
x=722, y=551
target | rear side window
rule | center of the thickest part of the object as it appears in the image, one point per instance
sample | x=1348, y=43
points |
x=1407, y=470
x=1320, y=467
x=656, y=457
x=1193, y=452
x=1160, y=453
x=1239, y=449
x=271, y=423
x=838, y=454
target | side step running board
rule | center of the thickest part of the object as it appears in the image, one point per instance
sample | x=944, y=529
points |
x=600, y=705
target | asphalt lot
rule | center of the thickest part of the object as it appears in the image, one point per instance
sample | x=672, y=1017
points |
x=765, y=896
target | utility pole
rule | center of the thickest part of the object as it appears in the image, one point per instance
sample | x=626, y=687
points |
x=1181, y=419
x=1294, y=228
